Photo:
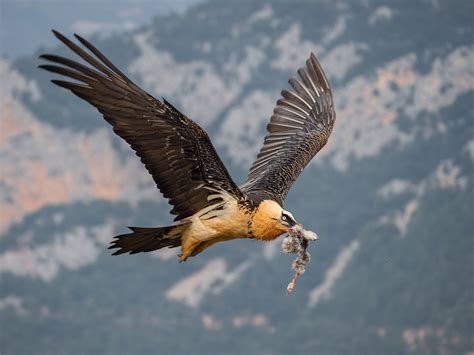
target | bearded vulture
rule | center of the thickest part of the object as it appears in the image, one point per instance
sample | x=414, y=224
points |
x=208, y=205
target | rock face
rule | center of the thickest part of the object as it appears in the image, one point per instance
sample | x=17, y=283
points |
x=390, y=195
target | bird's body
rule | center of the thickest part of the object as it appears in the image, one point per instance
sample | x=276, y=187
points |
x=208, y=227
x=178, y=153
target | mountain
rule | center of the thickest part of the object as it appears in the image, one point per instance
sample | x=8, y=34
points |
x=391, y=195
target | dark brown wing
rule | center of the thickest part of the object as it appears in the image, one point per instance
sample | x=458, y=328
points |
x=175, y=150
x=300, y=126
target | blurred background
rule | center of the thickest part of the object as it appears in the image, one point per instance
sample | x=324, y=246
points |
x=391, y=195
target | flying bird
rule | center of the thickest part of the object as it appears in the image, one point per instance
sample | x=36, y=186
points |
x=208, y=205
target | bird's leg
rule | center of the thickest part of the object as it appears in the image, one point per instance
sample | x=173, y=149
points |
x=188, y=245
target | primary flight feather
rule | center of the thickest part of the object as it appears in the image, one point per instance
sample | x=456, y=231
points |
x=179, y=155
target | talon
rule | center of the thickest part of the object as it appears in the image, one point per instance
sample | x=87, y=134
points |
x=182, y=258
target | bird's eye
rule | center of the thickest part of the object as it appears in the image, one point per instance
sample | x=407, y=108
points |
x=284, y=218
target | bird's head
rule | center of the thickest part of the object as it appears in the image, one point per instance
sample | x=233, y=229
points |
x=271, y=221
x=287, y=220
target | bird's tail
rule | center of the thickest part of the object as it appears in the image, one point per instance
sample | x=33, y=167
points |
x=148, y=239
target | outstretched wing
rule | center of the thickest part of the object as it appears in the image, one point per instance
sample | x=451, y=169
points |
x=175, y=150
x=300, y=126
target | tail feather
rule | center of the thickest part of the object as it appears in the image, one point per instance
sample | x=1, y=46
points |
x=146, y=239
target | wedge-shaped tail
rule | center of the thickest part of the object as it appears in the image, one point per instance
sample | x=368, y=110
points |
x=147, y=239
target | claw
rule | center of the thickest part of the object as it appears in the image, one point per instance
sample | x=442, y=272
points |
x=182, y=258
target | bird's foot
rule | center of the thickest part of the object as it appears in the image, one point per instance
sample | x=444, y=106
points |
x=182, y=257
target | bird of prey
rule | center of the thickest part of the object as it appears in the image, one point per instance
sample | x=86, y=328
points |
x=208, y=205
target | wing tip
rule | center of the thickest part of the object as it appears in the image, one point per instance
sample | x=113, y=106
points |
x=56, y=33
x=61, y=83
x=44, y=56
x=79, y=38
x=44, y=66
x=314, y=62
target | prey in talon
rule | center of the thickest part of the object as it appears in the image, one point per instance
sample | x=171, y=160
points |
x=297, y=242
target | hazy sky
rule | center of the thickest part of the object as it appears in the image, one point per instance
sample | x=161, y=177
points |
x=25, y=24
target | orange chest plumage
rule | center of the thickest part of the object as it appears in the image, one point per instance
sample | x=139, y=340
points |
x=261, y=223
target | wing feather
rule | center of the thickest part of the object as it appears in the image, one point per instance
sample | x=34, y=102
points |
x=300, y=126
x=174, y=149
